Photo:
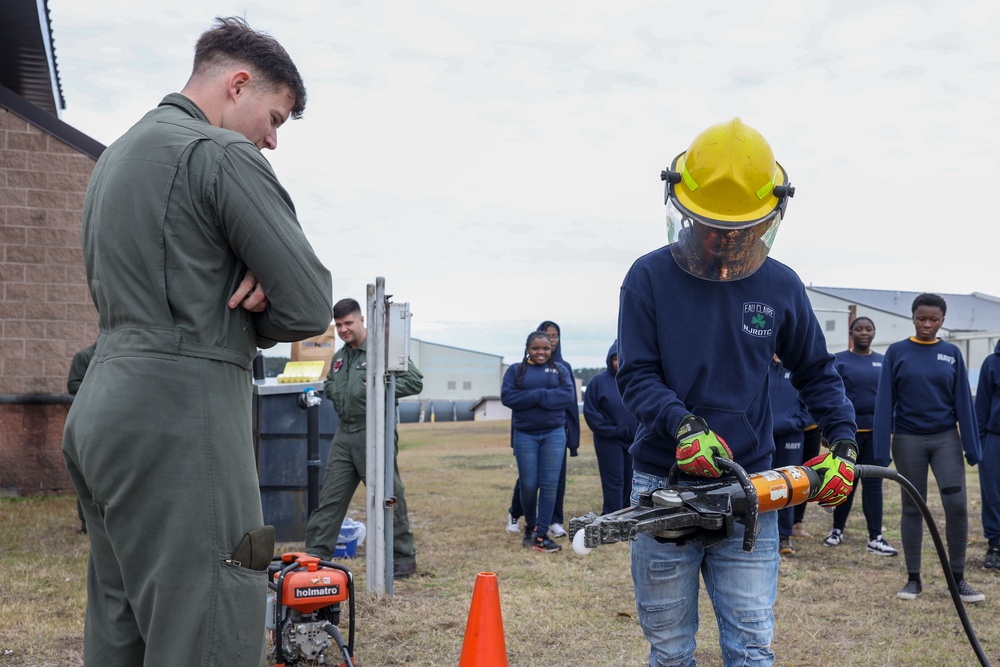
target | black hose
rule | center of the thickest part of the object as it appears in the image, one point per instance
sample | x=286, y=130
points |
x=334, y=632
x=889, y=473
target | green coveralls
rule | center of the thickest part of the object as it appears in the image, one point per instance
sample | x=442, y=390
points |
x=345, y=465
x=158, y=441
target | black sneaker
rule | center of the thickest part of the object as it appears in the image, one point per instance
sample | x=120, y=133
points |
x=545, y=544
x=968, y=593
x=992, y=561
x=911, y=590
x=528, y=539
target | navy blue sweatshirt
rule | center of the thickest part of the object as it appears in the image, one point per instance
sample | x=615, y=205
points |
x=860, y=373
x=573, y=411
x=924, y=389
x=539, y=404
x=688, y=345
x=988, y=395
x=603, y=408
x=787, y=411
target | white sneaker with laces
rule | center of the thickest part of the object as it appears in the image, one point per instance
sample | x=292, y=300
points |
x=512, y=526
x=880, y=547
x=834, y=539
x=557, y=530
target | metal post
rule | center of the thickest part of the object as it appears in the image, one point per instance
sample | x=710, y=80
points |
x=375, y=554
x=390, y=472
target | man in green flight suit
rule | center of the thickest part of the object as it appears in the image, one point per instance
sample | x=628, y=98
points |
x=194, y=259
x=345, y=465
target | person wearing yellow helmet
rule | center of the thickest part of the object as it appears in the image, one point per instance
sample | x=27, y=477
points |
x=700, y=321
x=725, y=198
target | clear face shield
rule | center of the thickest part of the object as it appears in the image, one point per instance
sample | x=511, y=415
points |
x=713, y=251
x=721, y=250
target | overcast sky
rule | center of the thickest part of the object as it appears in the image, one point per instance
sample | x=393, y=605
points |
x=498, y=163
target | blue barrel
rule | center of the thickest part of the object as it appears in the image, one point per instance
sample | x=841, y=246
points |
x=463, y=411
x=441, y=411
x=408, y=412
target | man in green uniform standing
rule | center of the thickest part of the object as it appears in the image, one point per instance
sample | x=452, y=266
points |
x=345, y=465
x=194, y=259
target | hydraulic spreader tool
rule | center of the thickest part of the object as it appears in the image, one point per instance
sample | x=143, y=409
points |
x=706, y=512
x=701, y=512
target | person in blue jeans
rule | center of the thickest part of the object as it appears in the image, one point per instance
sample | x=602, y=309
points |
x=614, y=428
x=538, y=390
x=552, y=330
x=699, y=323
x=988, y=418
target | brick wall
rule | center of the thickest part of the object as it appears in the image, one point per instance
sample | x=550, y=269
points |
x=31, y=460
x=46, y=313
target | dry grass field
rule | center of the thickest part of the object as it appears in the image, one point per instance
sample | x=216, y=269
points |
x=835, y=606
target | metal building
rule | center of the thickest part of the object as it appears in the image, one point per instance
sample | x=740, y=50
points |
x=454, y=379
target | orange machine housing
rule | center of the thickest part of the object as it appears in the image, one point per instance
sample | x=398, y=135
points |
x=784, y=487
x=312, y=587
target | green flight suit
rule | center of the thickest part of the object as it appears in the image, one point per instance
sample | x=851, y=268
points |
x=158, y=441
x=345, y=465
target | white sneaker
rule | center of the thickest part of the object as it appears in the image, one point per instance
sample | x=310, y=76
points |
x=557, y=530
x=880, y=547
x=512, y=526
x=834, y=538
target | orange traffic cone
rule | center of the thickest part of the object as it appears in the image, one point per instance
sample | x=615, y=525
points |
x=484, y=645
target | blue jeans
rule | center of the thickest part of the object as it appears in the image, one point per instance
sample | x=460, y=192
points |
x=742, y=587
x=539, y=460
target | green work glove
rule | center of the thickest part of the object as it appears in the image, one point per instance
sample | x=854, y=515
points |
x=698, y=447
x=836, y=471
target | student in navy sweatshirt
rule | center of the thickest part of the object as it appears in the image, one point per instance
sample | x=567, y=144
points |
x=538, y=390
x=699, y=323
x=860, y=367
x=923, y=390
x=988, y=417
x=614, y=429
x=572, y=427
x=552, y=330
x=790, y=420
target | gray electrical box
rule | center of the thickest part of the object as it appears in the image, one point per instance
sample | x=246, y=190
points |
x=397, y=324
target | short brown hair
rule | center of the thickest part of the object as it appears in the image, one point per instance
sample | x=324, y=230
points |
x=345, y=307
x=232, y=38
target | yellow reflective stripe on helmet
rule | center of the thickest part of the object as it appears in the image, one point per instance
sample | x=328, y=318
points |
x=765, y=189
x=689, y=179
